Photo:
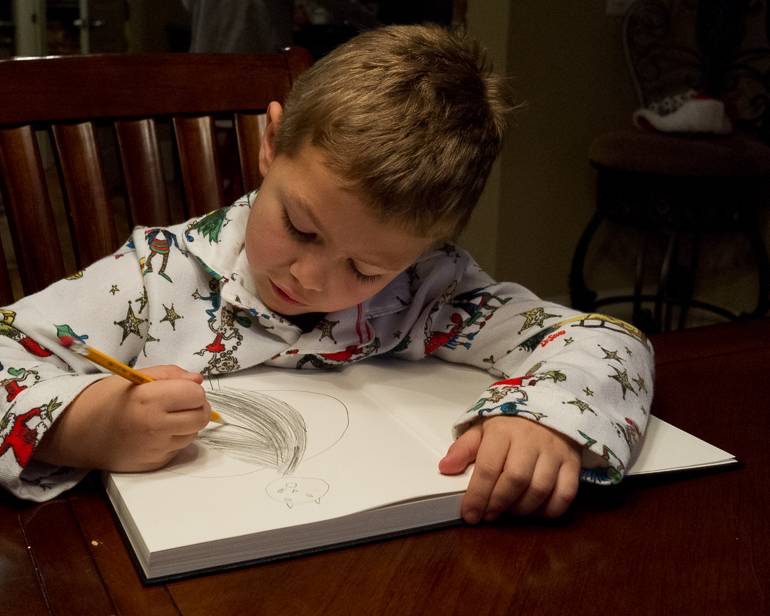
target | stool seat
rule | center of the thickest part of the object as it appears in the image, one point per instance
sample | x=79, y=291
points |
x=642, y=151
x=678, y=187
x=681, y=192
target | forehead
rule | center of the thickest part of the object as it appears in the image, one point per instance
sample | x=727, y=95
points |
x=337, y=212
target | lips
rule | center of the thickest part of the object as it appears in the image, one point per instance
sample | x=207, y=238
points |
x=285, y=296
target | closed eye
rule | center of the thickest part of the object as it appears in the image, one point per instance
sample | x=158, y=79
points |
x=362, y=278
x=294, y=232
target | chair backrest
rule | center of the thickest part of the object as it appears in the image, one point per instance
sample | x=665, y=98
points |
x=121, y=129
x=720, y=48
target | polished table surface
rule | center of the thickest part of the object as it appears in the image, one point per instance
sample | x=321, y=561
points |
x=695, y=546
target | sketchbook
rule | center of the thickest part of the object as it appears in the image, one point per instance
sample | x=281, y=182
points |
x=312, y=461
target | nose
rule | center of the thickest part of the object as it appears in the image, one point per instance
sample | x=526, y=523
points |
x=310, y=271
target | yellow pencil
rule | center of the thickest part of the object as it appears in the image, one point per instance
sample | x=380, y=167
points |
x=113, y=365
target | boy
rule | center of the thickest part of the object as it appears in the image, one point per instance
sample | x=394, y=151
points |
x=375, y=163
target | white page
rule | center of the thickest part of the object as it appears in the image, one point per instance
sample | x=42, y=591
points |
x=412, y=389
x=664, y=448
x=667, y=448
x=357, y=456
x=367, y=461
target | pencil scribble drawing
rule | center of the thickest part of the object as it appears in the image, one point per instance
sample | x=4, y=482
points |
x=266, y=430
x=261, y=430
x=297, y=490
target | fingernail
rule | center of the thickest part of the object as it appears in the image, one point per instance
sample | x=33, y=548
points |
x=472, y=517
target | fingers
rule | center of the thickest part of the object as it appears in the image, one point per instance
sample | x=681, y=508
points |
x=164, y=409
x=186, y=409
x=563, y=494
x=159, y=457
x=553, y=487
x=521, y=467
x=169, y=372
x=488, y=479
x=462, y=452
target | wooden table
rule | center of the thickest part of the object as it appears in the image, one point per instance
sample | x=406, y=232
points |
x=696, y=546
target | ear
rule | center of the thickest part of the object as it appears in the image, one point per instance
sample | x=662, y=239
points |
x=267, y=144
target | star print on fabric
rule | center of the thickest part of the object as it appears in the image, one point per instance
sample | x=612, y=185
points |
x=610, y=355
x=533, y=317
x=628, y=351
x=326, y=328
x=583, y=406
x=114, y=289
x=142, y=300
x=568, y=341
x=640, y=383
x=130, y=324
x=588, y=392
x=622, y=379
x=171, y=316
x=150, y=338
x=397, y=335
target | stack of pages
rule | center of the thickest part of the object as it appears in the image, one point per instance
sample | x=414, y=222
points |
x=312, y=460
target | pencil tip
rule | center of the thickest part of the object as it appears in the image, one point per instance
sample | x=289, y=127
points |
x=216, y=417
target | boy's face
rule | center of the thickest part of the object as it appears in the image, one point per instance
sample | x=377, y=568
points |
x=311, y=244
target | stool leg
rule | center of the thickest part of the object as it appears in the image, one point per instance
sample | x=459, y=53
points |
x=662, y=298
x=580, y=296
x=689, y=283
x=637, y=316
x=763, y=271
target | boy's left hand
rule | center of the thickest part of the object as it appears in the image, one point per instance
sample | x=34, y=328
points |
x=521, y=466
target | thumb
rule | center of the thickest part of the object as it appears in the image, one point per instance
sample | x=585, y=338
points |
x=165, y=373
x=462, y=452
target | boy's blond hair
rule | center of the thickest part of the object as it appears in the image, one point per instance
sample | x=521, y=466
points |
x=411, y=116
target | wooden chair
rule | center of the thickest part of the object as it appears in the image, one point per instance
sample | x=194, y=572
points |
x=211, y=107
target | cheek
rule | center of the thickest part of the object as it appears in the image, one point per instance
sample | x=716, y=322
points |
x=265, y=244
x=354, y=292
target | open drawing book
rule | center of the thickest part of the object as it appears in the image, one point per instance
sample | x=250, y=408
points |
x=316, y=460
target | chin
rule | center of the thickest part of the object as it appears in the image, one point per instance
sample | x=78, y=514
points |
x=293, y=311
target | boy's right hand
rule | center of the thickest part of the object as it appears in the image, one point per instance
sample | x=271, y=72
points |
x=119, y=426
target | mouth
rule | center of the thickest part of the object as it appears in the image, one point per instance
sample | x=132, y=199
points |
x=290, y=299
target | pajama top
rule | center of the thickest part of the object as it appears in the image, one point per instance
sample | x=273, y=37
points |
x=184, y=295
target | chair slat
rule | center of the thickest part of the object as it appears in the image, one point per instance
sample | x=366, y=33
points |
x=93, y=225
x=28, y=206
x=143, y=172
x=249, y=128
x=137, y=93
x=6, y=288
x=199, y=162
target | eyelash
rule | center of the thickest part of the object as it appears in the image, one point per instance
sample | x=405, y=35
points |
x=302, y=237
x=308, y=237
x=362, y=278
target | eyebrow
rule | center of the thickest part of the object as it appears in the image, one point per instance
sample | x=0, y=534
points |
x=305, y=207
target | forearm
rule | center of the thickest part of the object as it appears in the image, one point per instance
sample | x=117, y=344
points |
x=40, y=377
x=587, y=376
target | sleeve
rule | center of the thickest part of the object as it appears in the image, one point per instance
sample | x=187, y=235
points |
x=100, y=305
x=589, y=376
